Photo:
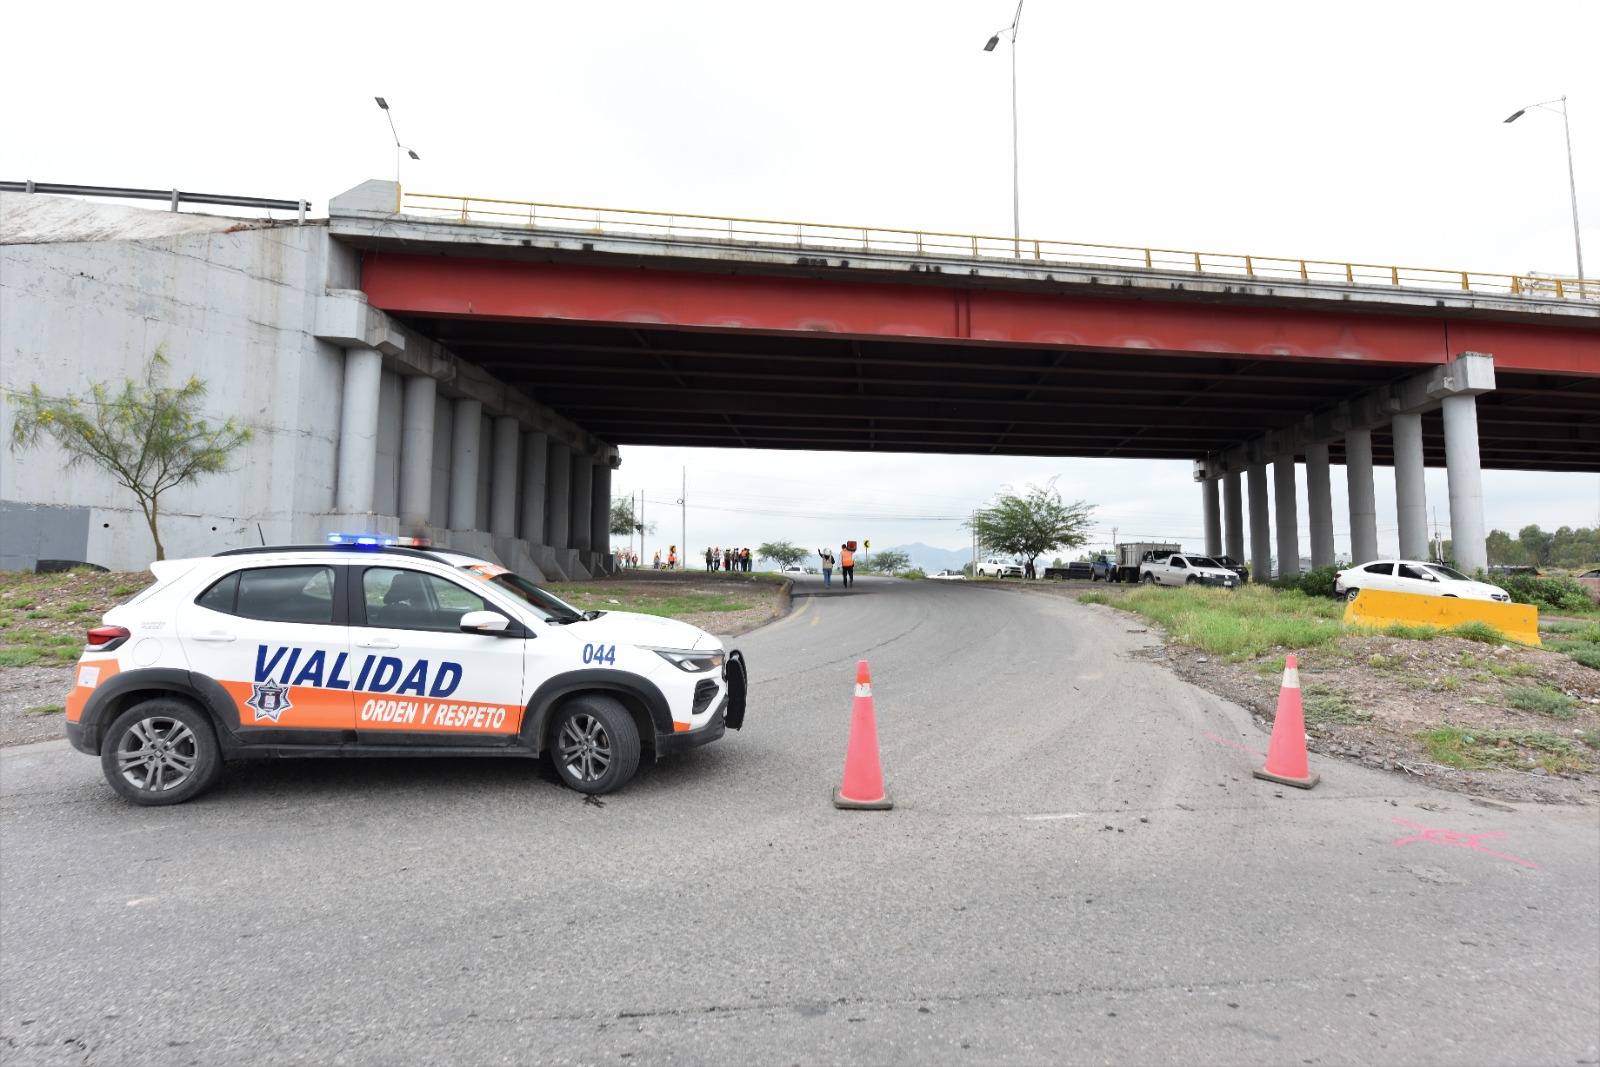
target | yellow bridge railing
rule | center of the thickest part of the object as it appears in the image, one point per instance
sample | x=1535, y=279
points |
x=878, y=239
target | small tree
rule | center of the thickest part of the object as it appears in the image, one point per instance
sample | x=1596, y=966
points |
x=890, y=560
x=147, y=436
x=623, y=520
x=782, y=553
x=1032, y=524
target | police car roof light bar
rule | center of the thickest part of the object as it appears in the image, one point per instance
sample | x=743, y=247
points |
x=361, y=539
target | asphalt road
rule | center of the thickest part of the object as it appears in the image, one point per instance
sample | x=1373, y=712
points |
x=1079, y=868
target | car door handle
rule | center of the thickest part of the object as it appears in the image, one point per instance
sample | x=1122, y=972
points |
x=381, y=642
x=215, y=635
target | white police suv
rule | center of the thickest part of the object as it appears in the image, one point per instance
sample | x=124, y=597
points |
x=367, y=649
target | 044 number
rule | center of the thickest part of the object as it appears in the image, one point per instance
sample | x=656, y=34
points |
x=606, y=654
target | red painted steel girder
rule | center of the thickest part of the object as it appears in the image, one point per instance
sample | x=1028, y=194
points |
x=517, y=291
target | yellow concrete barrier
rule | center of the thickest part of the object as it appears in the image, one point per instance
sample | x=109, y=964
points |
x=1379, y=609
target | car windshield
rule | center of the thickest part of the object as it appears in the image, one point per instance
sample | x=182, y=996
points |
x=1204, y=561
x=1445, y=572
x=544, y=603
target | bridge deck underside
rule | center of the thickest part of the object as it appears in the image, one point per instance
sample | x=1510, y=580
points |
x=652, y=385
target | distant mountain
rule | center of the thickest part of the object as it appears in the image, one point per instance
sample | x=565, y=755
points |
x=931, y=559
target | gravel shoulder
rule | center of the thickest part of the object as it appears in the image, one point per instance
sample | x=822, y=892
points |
x=1388, y=690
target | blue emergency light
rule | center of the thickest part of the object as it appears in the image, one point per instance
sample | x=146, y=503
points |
x=361, y=540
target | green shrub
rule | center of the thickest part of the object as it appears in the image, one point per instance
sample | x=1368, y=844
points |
x=1550, y=594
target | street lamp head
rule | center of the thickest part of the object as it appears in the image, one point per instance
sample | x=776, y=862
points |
x=385, y=104
x=412, y=154
x=1517, y=115
x=992, y=42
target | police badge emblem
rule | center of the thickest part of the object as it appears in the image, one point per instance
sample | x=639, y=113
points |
x=269, y=701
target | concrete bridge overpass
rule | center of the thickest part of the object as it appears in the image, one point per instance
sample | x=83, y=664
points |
x=467, y=370
x=669, y=330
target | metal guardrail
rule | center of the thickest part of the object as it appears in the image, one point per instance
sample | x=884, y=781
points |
x=837, y=238
x=174, y=197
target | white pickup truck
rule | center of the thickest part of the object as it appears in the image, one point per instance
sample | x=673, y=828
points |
x=1179, y=569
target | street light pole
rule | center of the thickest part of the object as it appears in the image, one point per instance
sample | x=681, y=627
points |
x=398, y=147
x=1572, y=181
x=1016, y=193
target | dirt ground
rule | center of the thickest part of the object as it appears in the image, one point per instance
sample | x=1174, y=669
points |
x=1399, y=688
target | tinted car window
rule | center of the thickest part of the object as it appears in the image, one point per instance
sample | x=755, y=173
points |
x=412, y=600
x=1379, y=568
x=275, y=594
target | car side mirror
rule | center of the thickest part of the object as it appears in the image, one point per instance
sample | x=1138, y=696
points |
x=486, y=623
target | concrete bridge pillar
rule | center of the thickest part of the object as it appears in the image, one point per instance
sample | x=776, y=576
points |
x=416, y=452
x=1288, y=516
x=1211, y=512
x=1466, y=482
x=355, y=490
x=1410, y=492
x=1363, y=500
x=582, y=502
x=600, y=512
x=1233, y=515
x=1260, y=525
x=1319, y=505
x=466, y=425
x=503, y=477
x=558, y=514
x=535, y=471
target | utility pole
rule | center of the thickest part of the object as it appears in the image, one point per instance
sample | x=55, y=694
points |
x=683, y=519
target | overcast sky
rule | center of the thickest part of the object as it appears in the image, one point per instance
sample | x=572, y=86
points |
x=1366, y=131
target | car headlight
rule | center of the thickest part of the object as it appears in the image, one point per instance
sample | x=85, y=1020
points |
x=691, y=662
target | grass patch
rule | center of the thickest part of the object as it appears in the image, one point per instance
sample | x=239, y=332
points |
x=668, y=600
x=1379, y=662
x=1238, y=625
x=1522, y=749
x=1094, y=598
x=1542, y=700
x=19, y=657
x=1409, y=633
x=1324, y=704
x=1477, y=630
x=45, y=709
x=1588, y=655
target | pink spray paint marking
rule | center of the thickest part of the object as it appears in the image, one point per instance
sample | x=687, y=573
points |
x=1450, y=837
x=1233, y=744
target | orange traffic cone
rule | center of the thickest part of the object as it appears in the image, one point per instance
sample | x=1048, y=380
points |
x=1286, y=755
x=863, y=774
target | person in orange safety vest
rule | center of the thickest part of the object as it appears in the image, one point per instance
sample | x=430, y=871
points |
x=847, y=565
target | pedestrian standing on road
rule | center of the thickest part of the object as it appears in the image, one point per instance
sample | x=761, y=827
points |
x=657, y=564
x=746, y=560
x=847, y=565
x=827, y=566
x=708, y=559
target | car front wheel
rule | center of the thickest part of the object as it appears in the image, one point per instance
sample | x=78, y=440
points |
x=1149, y=579
x=594, y=744
x=161, y=751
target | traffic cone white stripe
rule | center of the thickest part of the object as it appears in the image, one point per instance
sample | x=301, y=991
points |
x=863, y=690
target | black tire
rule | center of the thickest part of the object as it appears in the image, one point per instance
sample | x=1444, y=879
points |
x=1351, y=594
x=1191, y=580
x=594, y=744
x=1149, y=579
x=161, y=751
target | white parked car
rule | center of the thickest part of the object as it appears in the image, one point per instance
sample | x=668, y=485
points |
x=1178, y=569
x=1413, y=576
x=950, y=576
x=998, y=567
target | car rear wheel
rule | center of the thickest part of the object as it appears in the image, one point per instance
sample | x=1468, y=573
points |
x=161, y=751
x=1191, y=580
x=1351, y=593
x=594, y=744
